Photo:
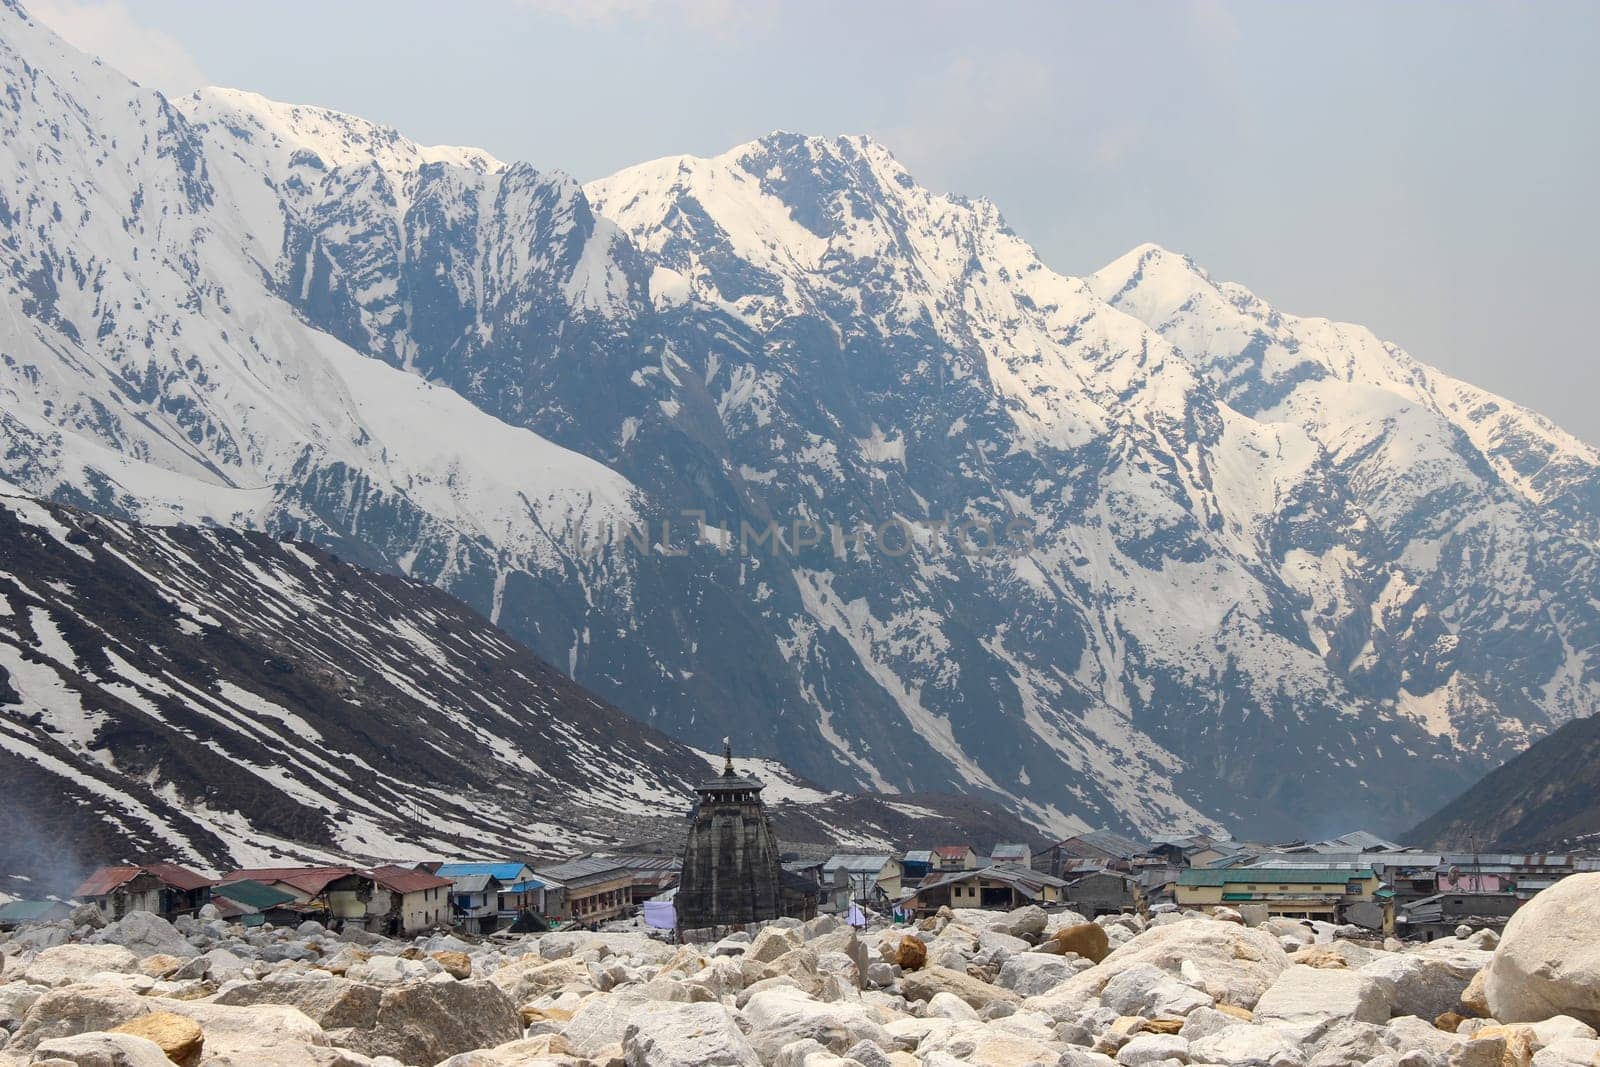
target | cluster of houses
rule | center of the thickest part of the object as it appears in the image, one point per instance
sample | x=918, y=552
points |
x=1358, y=878
x=478, y=897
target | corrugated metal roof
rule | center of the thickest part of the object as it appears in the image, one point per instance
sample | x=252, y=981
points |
x=505, y=871
x=23, y=911
x=1266, y=875
x=579, y=872
x=473, y=883
x=404, y=880
x=1007, y=853
x=856, y=863
x=917, y=855
x=253, y=894
x=308, y=880
x=107, y=879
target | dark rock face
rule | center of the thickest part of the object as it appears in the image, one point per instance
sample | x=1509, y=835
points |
x=1545, y=800
x=731, y=872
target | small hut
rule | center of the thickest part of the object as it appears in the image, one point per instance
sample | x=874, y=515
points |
x=731, y=874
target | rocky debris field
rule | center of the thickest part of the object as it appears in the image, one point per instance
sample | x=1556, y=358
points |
x=966, y=987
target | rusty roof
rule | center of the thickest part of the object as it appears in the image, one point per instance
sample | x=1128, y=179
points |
x=108, y=879
x=405, y=880
x=309, y=880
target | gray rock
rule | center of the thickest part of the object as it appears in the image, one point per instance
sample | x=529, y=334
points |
x=1307, y=1001
x=102, y=1050
x=1247, y=1045
x=1145, y=989
x=686, y=1035
x=1548, y=959
x=145, y=933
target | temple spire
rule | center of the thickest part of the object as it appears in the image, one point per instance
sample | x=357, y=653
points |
x=727, y=756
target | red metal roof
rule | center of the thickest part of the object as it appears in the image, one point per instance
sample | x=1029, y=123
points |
x=953, y=852
x=108, y=879
x=105, y=880
x=404, y=880
x=308, y=880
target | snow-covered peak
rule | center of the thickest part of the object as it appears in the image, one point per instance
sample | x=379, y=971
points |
x=336, y=138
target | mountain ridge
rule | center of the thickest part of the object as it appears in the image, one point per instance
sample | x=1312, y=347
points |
x=1339, y=606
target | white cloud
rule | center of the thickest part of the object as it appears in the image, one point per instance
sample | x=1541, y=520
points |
x=106, y=28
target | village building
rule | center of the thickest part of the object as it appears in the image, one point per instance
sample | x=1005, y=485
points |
x=331, y=895
x=1287, y=891
x=518, y=889
x=1103, y=892
x=1105, y=847
x=597, y=888
x=652, y=872
x=997, y=887
x=731, y=871
x=252, y=903
x=1019, y=855
x=165, y=889
x=407, y=901
x=475, y=903
x=954, y=858
x=873, y=878
x=1439, y=915
x=916, y=865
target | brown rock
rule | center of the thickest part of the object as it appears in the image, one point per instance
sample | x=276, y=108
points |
x=455, y=964
x=1473, y=997
x=1237, y=1012
x=1519, y=1042
x=911, y=954
x=1449, y=1021
x=1166, y=1024
x=160, y=965
x=1319, y=956
x=1086, y=939
x=531, y=1015
x=178, y=1036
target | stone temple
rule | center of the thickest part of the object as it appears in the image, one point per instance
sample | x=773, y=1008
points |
x=731, y=873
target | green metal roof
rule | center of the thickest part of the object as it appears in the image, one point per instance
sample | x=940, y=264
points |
x=22, y=911
x=1269, y=876
x=252, y=894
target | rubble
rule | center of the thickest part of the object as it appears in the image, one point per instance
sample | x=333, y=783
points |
x=966, y=987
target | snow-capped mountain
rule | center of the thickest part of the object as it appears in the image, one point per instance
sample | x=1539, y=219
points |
x=220, y=698
x=1135, y=548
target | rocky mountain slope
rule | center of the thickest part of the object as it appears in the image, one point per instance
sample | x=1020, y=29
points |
x=1546, y=799
x=1134, y=549
x=223, y=699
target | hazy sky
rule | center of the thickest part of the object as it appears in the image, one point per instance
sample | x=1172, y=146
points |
x=1426, y=169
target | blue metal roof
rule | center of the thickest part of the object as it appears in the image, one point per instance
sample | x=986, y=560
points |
x=505, y=872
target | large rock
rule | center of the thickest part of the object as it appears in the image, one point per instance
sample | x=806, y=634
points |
x=1569, y=1052
x=1307, y=1001
x=1026, y=922
x=988, y=1045
x=772, y=942
x=15, y=1000
x=1086, y=939
x=1423, y=986
x=1235, y=963
x=333, y=1003
x=532, y=976
x=1548, y=960
x=923, y=984
x=101, y=1050
x=145, y=933
x=75, y=1009
x=178, y=1037
x=1145, y=989
x=65, y=964
x=687, y=1035
x=779, y=1017
x=431, y=1021
x=1029, y=974
x=1247, y=1045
